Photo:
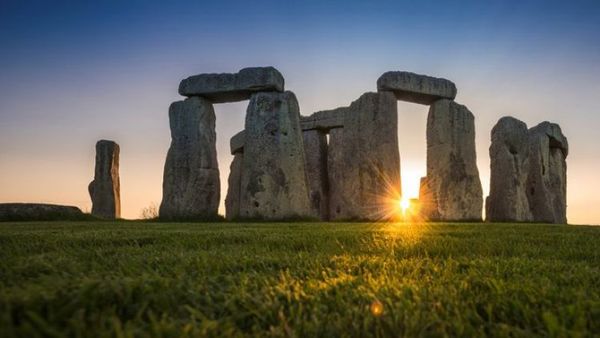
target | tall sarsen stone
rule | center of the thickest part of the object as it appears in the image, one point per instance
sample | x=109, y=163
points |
x=363, y=160
x=273, y=182
x=451, y=191
x=315, y=149
x=509, y=169
x=547, y=180
x=191, y=187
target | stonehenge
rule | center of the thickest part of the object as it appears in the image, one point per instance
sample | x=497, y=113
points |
x=105, y=190
x=528, y=173
x=267, y=177
x=344, y=163
x=361, y=162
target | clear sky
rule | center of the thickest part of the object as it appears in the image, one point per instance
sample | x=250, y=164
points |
x=75, y=72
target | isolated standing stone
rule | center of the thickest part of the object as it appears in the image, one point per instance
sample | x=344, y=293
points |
x=191, y=187
x=315, y=149
x=227, y=87
x=452, y=189
x=274, y=183
x=416, y=88
x=509, y=164
x=105, y=189
x=232, y=200
x=363, y=160
x=547, y=180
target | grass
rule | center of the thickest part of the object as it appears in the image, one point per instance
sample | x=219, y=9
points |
x=134, y=279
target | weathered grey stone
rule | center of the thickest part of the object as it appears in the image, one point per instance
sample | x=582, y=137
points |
x=191, y=187
x=236, y=143
x=105, y=189
x=363, y=160
x=509, y=164
x=416, y=88
x=232, y=200
x=315, y=150
x=274, y=184
x=11, y=212
x=547, y=180
x=452, y=189
x=227, y=87
x=323, y=120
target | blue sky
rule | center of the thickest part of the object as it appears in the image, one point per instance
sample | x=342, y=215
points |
x=74, y=72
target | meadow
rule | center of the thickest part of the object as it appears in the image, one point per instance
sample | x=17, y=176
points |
x=144, y=279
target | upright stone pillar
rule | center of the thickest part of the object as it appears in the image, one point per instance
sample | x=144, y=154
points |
x=105, y=189
x=547, y=180
x=234, y=182
x=191, y=187
x=274, y=182
x=315, y=149
x=363, y=160
x=509, y=168
x=452, y=189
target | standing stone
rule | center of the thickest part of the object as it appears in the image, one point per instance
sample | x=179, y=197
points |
x=315, y=149
x=274, y=183
x=363, y=160
x=547, y=181
x=416, y=88
x=452, y=189
x=509, y=164
x=229, y=87
x=191, y=187
x=232, y=200
x=105, y=189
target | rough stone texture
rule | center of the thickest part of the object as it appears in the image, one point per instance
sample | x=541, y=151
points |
x=232, y=200
x=191, y=187
x=38, y=212
x=452, y=189
x=228, y=87
x=105, y=189
x=363, y=160
x=315, y=150
x=236, y=143
x=416, y=88
x=323, y=120
x=509, y=163
x=274, y=182
x=547, y=180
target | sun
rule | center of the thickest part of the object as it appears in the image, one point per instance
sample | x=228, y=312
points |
x=404, y=204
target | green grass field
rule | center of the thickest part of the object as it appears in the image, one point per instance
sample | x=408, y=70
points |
x=135, y=279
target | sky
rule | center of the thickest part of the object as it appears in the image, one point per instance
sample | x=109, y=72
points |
x=72, y=73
